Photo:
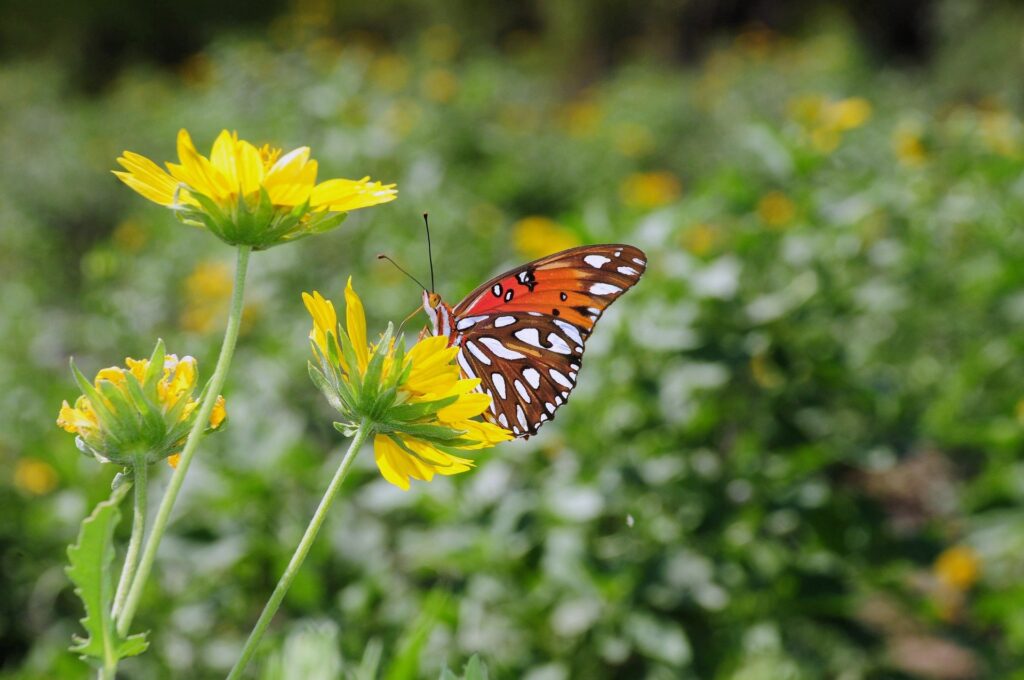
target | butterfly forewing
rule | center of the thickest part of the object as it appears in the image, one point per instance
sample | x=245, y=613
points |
x=523, y=333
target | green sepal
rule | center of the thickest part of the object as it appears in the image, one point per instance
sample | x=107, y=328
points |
x=433, y=433
x=352, y=362
x=408, y=412
x=155, y=371
x=371, y=379
x=153, y=425
x=322, y=384
x=89, y=570
x=106, y=417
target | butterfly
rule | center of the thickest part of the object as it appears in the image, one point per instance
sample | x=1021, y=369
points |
x=523, y=333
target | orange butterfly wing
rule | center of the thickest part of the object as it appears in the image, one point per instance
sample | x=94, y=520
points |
x=523, y=333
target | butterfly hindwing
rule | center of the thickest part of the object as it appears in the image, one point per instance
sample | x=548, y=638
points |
x=523, y=333
x=526, y=363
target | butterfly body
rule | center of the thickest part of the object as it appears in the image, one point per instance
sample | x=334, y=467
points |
x=523, y=333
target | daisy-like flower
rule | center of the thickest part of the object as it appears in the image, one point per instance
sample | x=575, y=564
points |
x=250, y=196
x=421, y=411
x=145, y=408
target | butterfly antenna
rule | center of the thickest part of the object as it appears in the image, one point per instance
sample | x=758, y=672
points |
x=414, y=312
x=430, y=254
x=399, y=268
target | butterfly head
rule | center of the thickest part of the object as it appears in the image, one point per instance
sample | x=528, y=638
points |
x=439, y=313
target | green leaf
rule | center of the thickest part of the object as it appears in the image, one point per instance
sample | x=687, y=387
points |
x=475, y=669
x=89, y=570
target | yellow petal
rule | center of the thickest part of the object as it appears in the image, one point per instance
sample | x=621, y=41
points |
x=222, y=156
x=173, y=459
x=485, y=434
x=147, y=178
x=342, y=195
x=387, y=454
x=290, y=180
x=197, y=172
x=468, y=406
x=249, y=166
x=438, y=461
x=219, y=413
x=355, y=323
x=325, y=319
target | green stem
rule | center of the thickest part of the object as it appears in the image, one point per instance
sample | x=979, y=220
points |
x=131, y=557
x=212, y=390
x=292, y=570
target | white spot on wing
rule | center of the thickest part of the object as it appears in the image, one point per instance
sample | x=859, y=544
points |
x=550, y=407
x=499, y=383
x=558, y=344
x=478, y=353
x=530, y=336
x=628, y=271
x=604, y=289
x=560, y=378
x=596, y=261
x=503, y=321
x=594, y=310
x=521, y=389
x=499, y=350
x=521, y=417
x=469, y=322
x=532, y=376
x=570, y=330
x=503, y=420
x=465, y=365
x=639, y=261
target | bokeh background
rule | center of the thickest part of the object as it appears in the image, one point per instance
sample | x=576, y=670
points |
x=795, y=449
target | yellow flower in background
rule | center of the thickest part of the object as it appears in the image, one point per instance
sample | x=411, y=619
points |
x=650, y=189
x=35, y=476
x=957, y=567
x=582, y=118
x=207, y=290
x=1002, y=132
x=908, y=145
x=390, y=72
x=536, y=236
x=418, y=407
x=247, y=195
x=633, y=140
x=701, y=239
x=440, y=85
x=776, y=209
x=440, y=42
x=825, y=120
x=145, y=408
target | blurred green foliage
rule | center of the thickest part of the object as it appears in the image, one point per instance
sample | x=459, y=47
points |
x=794, y=451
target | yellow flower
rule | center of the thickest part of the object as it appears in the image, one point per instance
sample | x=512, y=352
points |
x=650, y=189
x=249, y=196
x=419, y=408
x=701, y=239
x=776, y=209
x=536, y=236
x=35, y=476
x=146, y=407
x=439, y=84
x=908, y=146
x=824, y=121
x=957, y=567
x=206, y=295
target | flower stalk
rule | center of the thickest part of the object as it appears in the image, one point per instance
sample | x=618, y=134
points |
x=140, y=483
x=301, y=551
x=210, y=392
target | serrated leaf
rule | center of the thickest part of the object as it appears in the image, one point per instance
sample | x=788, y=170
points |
x=89, y=570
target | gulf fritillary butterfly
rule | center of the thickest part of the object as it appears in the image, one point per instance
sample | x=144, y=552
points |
x=523, y=332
